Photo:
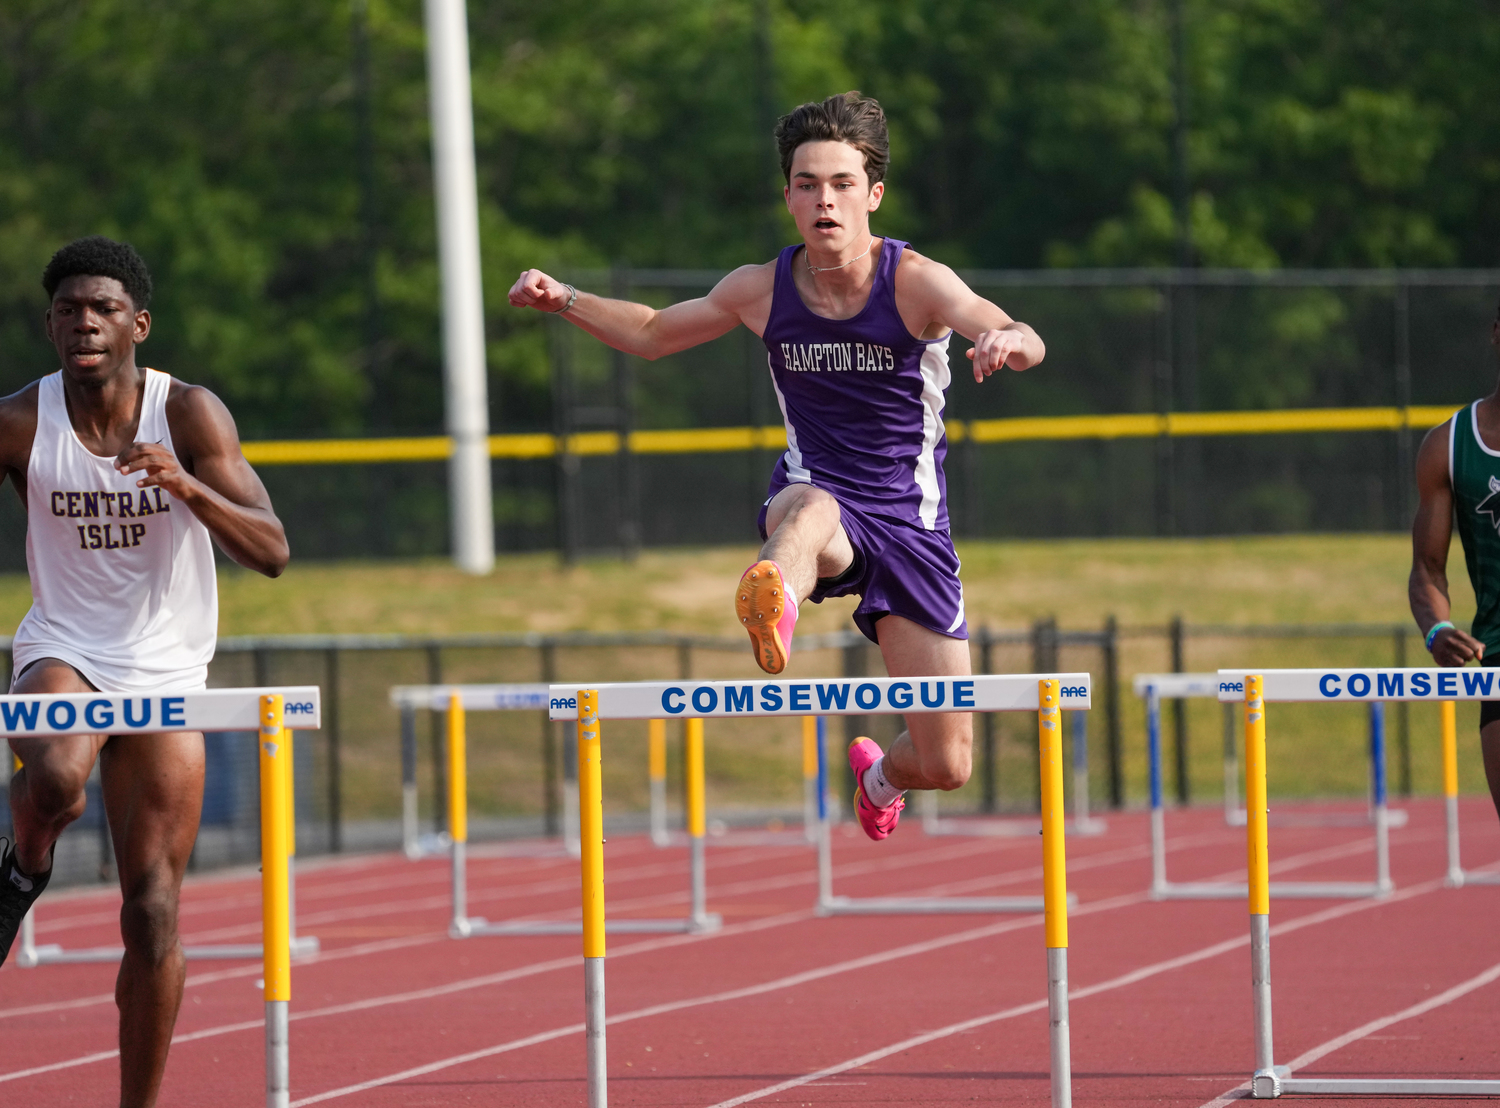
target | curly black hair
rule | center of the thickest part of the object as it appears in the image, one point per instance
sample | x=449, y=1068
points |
x=97, y=256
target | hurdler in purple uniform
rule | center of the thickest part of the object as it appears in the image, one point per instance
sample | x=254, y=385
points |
x=856, y=331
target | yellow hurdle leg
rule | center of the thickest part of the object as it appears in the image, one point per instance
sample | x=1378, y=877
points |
x=591, y=865
x=275, y=907
x=810, y=777
x=656, y=739
x=1265, y=1083
x=1055, y=888
x=458, y=814
x=1449, y=716
x=697, y=821
x=291, y=833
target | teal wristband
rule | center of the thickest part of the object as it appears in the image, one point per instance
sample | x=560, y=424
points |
x=1432, y=632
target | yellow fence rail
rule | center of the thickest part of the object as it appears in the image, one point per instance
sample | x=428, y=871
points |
x=719, y=440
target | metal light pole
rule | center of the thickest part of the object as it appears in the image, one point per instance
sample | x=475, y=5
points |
x=465, y=393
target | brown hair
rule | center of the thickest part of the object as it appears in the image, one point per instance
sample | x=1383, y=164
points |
x=848, y=117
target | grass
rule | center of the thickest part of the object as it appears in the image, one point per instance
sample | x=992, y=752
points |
x=1142, y=582
x=1282, y=579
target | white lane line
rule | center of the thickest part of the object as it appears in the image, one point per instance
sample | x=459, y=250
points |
x=793, y=980
x=657, y=944
x=420, y=875
x=1091, y=862
x=307, y=922
x=752, y=885
x=420, y=994
x=1119, y=982
x=53, y=1067
x=1463, y=988
x=789, y=981
x=863, y=963
x=1076, y=865
x=562, y=884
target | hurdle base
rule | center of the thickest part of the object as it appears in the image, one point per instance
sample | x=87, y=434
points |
x=1460, y=878
x=930, y=905
x=427, y=845
x=52, y=954
x=741, y=837
x=1001, y=828
x=1394, y=817
x=1388, y=1086
x=1289, y=890
x=477, y=925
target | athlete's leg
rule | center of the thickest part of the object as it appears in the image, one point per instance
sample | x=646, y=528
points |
x=807, y=540
x=936, y=749
x=153, y=793
x=1489, y=745
x=47, y=793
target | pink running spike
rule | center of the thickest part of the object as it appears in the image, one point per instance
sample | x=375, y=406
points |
x=768, y=612
x=878, y=823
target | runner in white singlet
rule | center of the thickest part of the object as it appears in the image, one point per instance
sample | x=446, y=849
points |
x=91, y=533
x=127, y=475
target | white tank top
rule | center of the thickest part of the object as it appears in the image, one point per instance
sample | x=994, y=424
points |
x=122, y=579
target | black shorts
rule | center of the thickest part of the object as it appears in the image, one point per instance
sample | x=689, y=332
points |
x=1489, y=710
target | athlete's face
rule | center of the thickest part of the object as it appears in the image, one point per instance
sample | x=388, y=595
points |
x=829, y=195
x=95, y=327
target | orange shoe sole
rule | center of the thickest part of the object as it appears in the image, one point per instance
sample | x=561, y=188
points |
x=760, y=603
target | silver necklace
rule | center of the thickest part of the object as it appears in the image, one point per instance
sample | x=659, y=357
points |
x=829, y=268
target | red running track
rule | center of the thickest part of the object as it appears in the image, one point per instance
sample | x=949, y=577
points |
x=784, y=1008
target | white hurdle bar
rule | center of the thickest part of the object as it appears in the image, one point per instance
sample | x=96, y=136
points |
x=267, y=712
x=455, y=701
x=1255, y=690
x=30, y=953
x=1044, y=694
x=1154, y=687
x=933, y=823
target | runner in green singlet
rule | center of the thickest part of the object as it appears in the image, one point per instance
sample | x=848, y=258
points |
x=1458, y=478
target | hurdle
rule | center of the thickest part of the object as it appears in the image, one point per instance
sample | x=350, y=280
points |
x=1256, y=690
x=408, y=699
x=828, y=904
x=1457, y=877
x=1082, y=822
x=455, y=701
x=1044, y=694
x=262, y=710
x=1154, y=687
x=1187, y=686
x=661, y=836
x=30, y=953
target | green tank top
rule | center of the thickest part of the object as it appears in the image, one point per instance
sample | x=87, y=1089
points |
x=1474, y=470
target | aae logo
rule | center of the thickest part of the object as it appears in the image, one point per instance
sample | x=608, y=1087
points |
x=1072, y=690
x=1231, y=686
x=298, y=708
x=564, y=702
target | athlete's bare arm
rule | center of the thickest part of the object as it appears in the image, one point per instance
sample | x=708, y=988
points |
x=17, y=433
x=209, y=474
x=744, y=296
x=933, y=299
x=1431, y=535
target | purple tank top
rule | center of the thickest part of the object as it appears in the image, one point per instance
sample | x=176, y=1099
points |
x=862, y=399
